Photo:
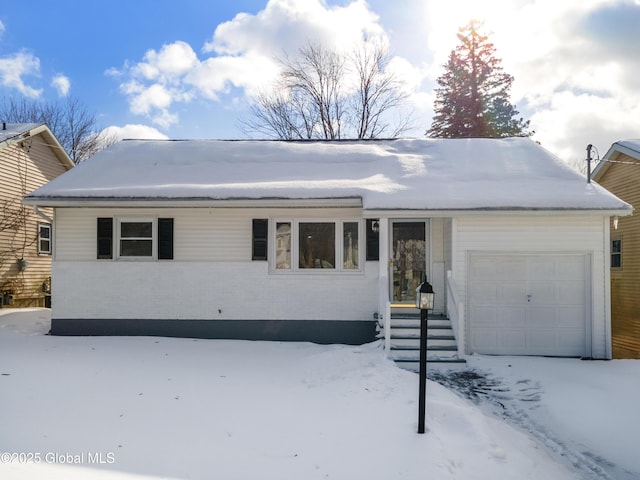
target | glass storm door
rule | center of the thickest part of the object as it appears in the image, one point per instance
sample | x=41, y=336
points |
x=409, y=260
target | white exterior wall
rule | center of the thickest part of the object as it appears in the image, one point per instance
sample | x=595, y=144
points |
x=211, y=276
x=531, y=233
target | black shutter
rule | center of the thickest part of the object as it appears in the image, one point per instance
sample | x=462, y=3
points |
x=373, y=239
x=259, y=239
x=165, y=239
x=105, y=238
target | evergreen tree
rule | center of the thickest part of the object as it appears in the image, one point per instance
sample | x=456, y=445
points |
x=472, y=99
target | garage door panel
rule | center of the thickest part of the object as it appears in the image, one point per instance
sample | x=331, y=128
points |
x=571, y=268
x=486, y=339
x=570, y=317
x=570, y=293
x=486, y=271
x=514, y=268
x=540, y=293
x=532, y=304
x=513, y=293
x=485, y=316
x=484, y=294
x=538, y=317
x=509, y=316
x=568, y=340
x=542, y=340
x=515, y=339
x=540, y=270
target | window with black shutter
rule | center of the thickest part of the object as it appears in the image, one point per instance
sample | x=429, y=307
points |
x=373, y=239
x=105, y=238
x=165, y=239
x=259, y=238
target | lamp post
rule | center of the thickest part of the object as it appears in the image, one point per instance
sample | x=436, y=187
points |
x=424, y=301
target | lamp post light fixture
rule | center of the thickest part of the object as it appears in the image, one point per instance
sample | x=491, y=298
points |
x=424, y=301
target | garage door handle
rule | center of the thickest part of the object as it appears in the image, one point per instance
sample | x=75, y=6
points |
x=528, y=298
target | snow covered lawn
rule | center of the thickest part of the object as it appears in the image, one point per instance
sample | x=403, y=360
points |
x=145, y=407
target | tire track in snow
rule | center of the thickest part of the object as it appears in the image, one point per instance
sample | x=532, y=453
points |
x=512, y=403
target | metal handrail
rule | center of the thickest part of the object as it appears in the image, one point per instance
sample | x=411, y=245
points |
x=455, y=309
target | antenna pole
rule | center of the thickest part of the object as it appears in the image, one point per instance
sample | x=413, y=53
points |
x=589, y=147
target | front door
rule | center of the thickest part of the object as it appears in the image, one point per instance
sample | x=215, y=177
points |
x=409, y=260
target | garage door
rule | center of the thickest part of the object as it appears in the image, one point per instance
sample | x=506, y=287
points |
x=528, y=304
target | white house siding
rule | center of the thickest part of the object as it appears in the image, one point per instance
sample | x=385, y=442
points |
x=211, y=276
x=438, y=263
x=531, y=233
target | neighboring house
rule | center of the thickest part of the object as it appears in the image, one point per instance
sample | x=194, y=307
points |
x=30, y=156
x=323, y=241
x=619, y=172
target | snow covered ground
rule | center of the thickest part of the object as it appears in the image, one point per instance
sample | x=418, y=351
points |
x=145, y=407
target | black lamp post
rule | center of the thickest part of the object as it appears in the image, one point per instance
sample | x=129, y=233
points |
x=424, y=301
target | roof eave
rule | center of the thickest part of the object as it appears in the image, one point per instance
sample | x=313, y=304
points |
x=155, y=202
x=504, y=211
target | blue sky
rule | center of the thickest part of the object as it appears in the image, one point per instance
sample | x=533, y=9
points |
x=187, y=69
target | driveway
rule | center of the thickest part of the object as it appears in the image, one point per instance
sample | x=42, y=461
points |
x=585, y=412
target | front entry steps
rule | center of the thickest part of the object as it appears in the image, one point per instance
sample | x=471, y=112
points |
x=442, y=349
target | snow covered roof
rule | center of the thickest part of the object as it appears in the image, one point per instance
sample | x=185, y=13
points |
x=11, y=130
x=630, y=148
x=404, y=174
x=10, y=133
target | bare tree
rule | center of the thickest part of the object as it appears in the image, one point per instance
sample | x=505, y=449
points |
x=73, y=124
x=379, y=92
x=328, y=95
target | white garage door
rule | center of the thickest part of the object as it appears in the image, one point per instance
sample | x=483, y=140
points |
x=528, y=304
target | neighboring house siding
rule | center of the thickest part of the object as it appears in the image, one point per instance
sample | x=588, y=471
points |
x=624, y=181
x=22, y=170
x=531, y=234
x=211, y=276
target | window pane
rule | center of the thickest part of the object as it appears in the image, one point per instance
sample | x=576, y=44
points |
x=616, y=246
x=136, y=229
x=44, y=231
x=136, y=248
x=283, y=246
x=616, y=260
x=45, y=246
x=350, y=245
x=317, y=247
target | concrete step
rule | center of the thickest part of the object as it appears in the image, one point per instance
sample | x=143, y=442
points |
x=436, y=348
x=409, y=335
x=416, y=325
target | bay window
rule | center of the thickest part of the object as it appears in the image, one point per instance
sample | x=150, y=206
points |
x=318, y=245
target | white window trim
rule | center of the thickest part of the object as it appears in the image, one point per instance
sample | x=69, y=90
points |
x=50, y=239
x=616, y=238
x=154, y=238
x=295, y=252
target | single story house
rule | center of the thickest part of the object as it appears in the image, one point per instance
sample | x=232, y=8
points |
x=619, y=172
x=321, y=241
x=30, y=156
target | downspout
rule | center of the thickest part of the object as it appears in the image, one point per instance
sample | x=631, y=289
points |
x=41, y=214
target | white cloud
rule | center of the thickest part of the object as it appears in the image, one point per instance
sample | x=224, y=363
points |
x=240, y=54
x=572, y=121
x=14, y=67
x=62, y=84
x=286, y=23
x=136, y=131
x=2, y=27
